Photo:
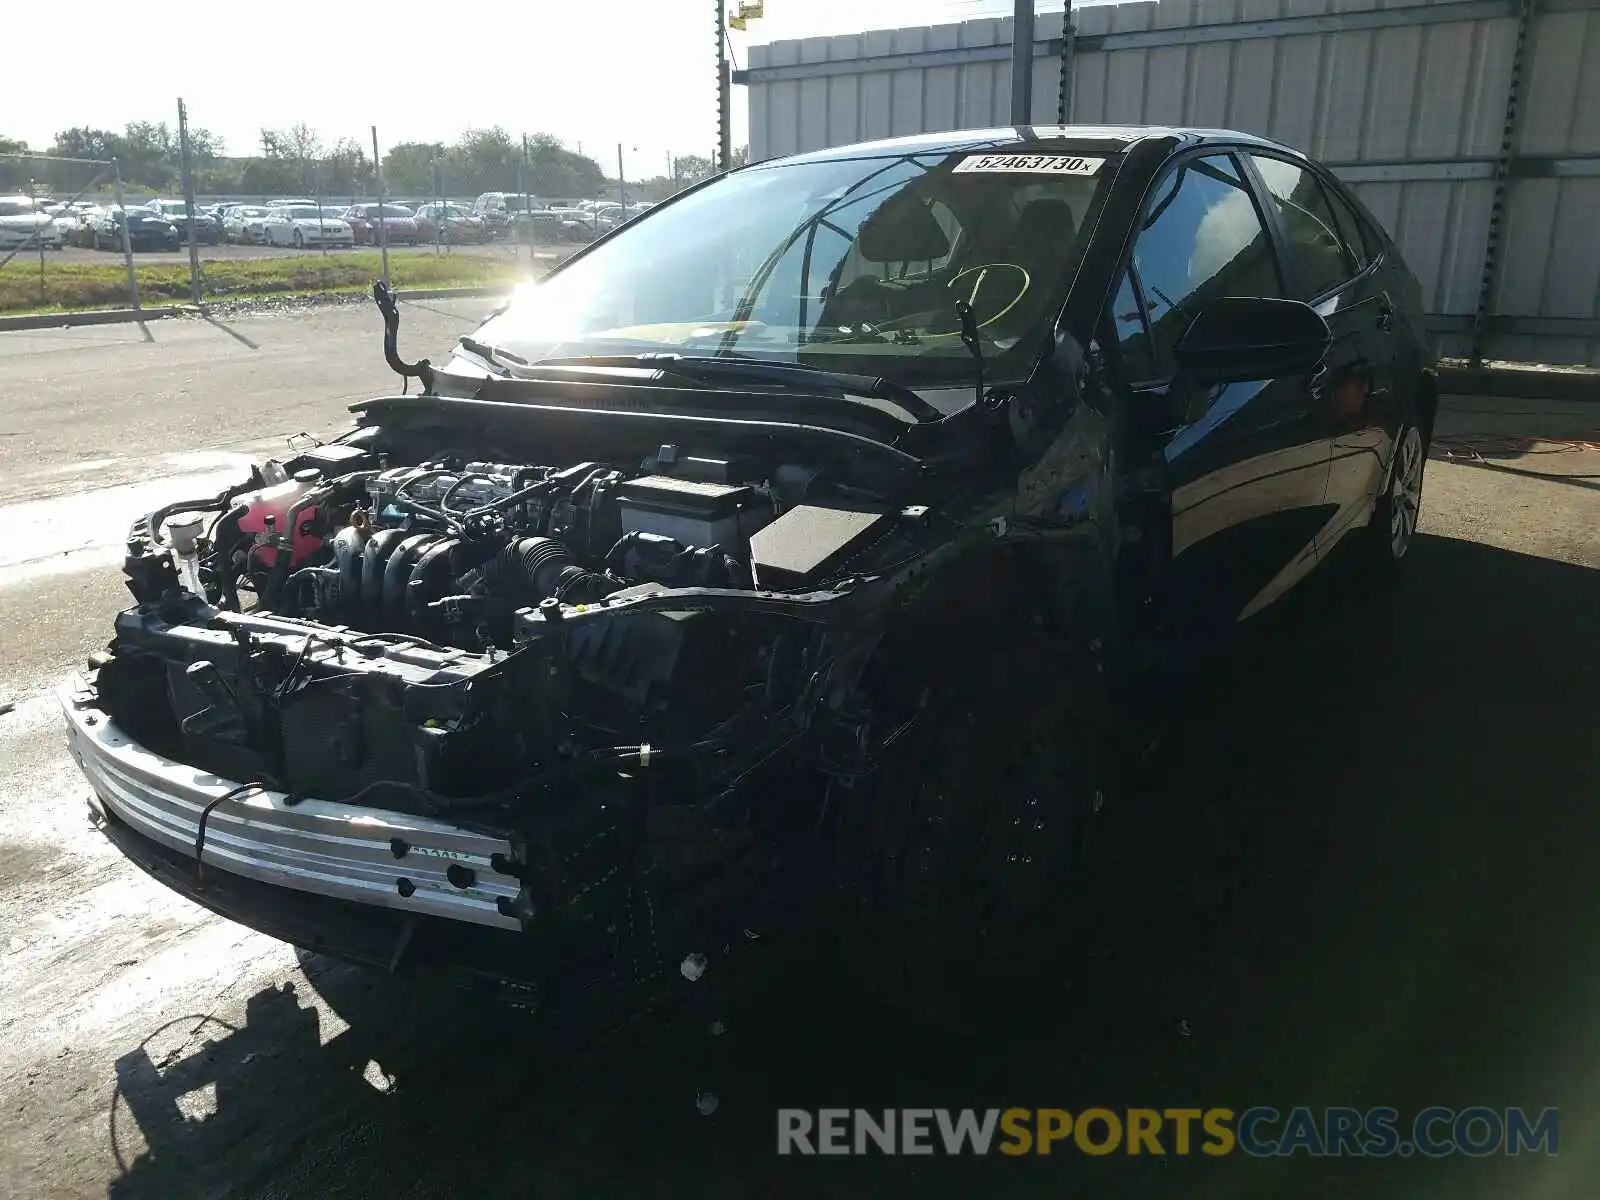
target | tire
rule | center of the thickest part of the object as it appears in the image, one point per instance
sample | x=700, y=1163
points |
x=1394, y=517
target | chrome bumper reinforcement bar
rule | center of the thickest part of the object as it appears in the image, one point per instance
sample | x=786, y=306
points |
x=366, y=855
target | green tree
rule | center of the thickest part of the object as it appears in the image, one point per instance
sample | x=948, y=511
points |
x=346, y=170
x=293, y=154
x=690, y=168
x=267, y=177
x=407, y=168
x=83, y=142
x=554, y=171
x=485, y=160
x=149, y=155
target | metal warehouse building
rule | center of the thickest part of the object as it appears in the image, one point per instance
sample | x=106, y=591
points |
x=1470, y=127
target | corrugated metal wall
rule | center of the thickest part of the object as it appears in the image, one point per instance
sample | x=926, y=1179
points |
x=1406, y=99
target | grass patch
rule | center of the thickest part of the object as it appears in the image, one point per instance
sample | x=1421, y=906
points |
x=70, y=287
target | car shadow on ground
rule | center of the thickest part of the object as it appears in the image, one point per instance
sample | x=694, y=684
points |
x=1361, y=873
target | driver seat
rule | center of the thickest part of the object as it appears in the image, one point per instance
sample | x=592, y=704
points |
x=1043, y=227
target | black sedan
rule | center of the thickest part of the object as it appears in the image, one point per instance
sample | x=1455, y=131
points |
x=207, y=224
x=147, y=230
x=806, y=551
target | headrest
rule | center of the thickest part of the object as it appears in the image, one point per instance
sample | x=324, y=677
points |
x=902, y=230
x=1045, y=221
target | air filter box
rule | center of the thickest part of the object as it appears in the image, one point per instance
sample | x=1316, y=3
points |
x=802, y=546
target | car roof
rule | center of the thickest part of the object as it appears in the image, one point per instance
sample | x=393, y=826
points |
x=1110, y=139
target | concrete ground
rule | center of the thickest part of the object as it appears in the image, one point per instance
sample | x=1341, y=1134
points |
x=1363, y=874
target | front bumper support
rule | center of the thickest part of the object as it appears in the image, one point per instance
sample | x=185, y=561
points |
x=388, y=860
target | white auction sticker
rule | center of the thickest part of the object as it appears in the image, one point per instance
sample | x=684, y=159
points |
x=1030, y=164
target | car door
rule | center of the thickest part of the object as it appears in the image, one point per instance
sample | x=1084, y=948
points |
x=1355, y=397
x=1244, y=466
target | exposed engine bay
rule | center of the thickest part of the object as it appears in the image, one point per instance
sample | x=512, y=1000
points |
x=344, y=625
x=602, y=659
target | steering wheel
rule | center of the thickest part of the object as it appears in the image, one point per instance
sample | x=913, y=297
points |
x=1002, y=280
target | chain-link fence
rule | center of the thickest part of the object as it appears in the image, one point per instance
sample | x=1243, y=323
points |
x=46, y=205
x=175, y=222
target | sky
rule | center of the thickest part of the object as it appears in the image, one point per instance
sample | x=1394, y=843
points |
x=595, y=73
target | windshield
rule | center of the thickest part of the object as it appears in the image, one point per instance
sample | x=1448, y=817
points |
x=311, y=212
x=15, y=208
x=849, y=265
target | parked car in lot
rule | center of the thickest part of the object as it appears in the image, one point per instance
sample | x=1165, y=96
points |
x=442, y=221
x=147, y=230
x=87, y=218
x=578, y=224
x=915, y=470
x=207, y=228
x=246, y=224
x=23, y=224
x=398, y=227
x=501, y=211
x=302, y=225
x=68, y=220
x=539, y=226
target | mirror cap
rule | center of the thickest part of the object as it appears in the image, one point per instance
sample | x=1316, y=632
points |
x=1238, y=339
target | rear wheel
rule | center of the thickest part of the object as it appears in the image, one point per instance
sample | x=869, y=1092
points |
x=1395, y=516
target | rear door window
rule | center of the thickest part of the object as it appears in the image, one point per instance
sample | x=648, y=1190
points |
x=1321, y=264
x=1360, y=241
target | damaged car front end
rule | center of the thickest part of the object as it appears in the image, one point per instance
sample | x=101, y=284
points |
x=627, y=640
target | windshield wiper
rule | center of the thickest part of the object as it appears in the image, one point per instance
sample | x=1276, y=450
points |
x=759, y=371
x=494, y=358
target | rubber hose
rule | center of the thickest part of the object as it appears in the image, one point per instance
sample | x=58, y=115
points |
x=535, y=568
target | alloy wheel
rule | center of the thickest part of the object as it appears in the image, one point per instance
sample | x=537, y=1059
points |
x=1405, y=492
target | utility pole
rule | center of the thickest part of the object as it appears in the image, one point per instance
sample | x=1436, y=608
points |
x=127, y=239
x=1022, y=64
x=724, y=90
x=383, y=230
x=525, y=169
x=622, y=184
x=188, y=200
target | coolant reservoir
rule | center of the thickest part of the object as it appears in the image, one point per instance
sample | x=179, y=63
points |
x=271, y=506
x=184, y=531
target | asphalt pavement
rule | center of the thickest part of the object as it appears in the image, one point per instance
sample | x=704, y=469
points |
x=1362, y=873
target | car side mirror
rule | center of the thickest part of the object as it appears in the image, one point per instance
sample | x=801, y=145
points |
x=1247, y=339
